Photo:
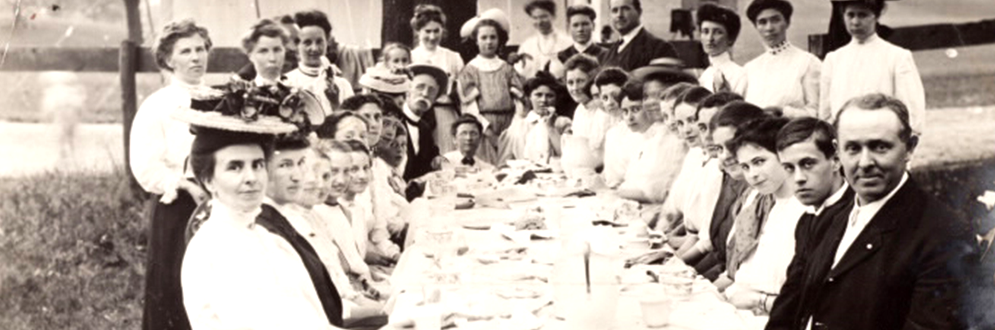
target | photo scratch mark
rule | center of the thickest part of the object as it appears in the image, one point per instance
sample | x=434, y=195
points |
x=13, y=28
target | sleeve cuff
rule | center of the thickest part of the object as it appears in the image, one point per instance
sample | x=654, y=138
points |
x=169, y=190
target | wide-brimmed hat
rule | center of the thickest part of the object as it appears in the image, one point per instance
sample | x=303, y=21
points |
x=492, y=14
x=668, y=70
x=436, y=72
x=383, y=80
x=240, y=106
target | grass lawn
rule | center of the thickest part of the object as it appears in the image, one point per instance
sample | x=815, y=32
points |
x=71, y=252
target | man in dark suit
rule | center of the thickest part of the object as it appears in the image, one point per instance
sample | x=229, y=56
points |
x=807, y=149
x=423, y=153
x=638, y=46
x=896, y=258
x=580, y=23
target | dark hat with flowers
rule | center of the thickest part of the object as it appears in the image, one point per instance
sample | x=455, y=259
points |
x=241, y=106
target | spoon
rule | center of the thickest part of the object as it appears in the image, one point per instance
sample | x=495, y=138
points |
x=587, y=266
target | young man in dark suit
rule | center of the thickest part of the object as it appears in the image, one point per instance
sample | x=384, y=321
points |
x=895, y=259
x=637, y=46
x=807, y=149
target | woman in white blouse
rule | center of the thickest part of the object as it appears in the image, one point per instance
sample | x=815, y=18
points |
x=719, y=28
x=655, y=162
x=762, y=272
x=246, y=267
x=583, y=151
x=429, y=25
x=158, y=153
x=314, y=71
x=784, y=75
x=535, y=135
x=265, y=44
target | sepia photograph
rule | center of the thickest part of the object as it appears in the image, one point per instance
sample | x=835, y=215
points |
x=497, y=164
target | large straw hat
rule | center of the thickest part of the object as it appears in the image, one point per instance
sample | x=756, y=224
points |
x=381, y=79
x=241, y=107
x=668, y=70
x=493, y=14
x=436, y=72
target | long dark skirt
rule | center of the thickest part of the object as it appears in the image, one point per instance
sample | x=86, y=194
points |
x=163, y=294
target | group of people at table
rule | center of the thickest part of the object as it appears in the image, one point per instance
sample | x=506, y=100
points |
x=785, y=182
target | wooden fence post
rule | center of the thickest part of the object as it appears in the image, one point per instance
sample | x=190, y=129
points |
x=128, y=66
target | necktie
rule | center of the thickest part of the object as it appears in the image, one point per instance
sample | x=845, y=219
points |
x=410, y=121
x=468, y=161
x=807, y=224
x=854, y=215
x=748, y=224
x=331, y=90
x=719, y=82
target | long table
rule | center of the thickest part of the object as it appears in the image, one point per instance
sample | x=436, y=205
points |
x=484, y=286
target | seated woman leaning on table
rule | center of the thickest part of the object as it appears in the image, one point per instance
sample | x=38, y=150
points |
x=535, y=134
x=246, y=267
x=763, y=240
x=648, y=176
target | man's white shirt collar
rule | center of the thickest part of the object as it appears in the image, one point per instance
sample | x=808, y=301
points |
x=627, y=38
x=875, y=206
x=832, y=200
x=411, y=114
x=860, y=217
x=582, y=47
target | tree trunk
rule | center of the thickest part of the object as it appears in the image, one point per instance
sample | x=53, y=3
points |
x=128, y=57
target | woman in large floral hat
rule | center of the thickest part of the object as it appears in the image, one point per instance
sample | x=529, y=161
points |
x=246, y=267
x=157, y=157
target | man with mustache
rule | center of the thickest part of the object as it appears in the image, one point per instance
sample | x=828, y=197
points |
x=896, y=258
x=638, y=46
x=423, y=153
x=807, y=149
x=784, y=76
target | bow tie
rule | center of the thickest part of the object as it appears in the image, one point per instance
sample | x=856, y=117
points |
x=468, y=161
x=410, y=121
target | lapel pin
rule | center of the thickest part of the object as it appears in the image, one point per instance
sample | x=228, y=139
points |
x=870, y=246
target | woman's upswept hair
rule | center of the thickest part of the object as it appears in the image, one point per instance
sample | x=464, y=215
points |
x=173, y=31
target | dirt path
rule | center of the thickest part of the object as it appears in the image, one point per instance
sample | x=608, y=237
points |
x=34, y=148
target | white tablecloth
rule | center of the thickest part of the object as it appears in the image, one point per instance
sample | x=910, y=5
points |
x=474, y=282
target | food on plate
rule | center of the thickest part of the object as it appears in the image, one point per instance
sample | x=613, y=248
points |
x=532, y=220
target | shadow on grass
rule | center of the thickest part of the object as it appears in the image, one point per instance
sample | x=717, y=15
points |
x=72, y=252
